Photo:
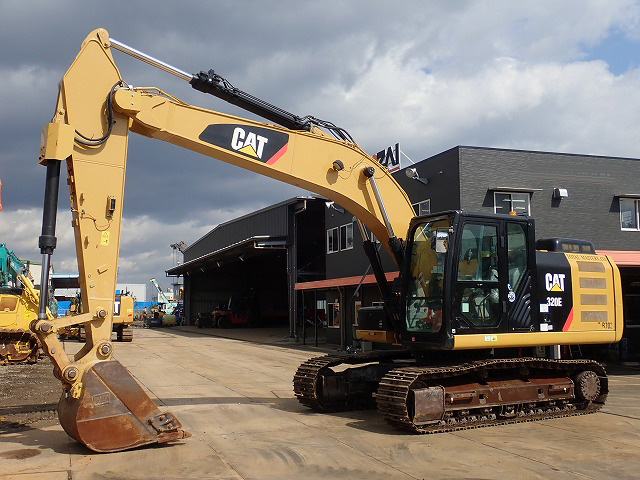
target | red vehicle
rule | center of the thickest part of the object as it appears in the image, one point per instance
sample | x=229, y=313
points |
x=234, y=313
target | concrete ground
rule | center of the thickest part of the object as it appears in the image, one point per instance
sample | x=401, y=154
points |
x=236, y=398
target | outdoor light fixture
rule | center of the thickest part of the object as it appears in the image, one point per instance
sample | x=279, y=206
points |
x=413, y=174
x=330, y=204
x=560, y=193
x=219, y=264
x=241, y=257
x=180, y=246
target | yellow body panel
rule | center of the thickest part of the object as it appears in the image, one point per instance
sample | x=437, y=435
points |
x=596, y=316
x=377, y=336
x=126, y=311
x=16, y=311
x=594, y=300
x=529, y=339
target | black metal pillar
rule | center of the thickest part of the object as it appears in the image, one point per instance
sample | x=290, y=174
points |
x=315, y=316
x=304, y=320
x=47, y=241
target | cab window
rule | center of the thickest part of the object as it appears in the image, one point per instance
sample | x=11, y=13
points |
x=425, y=291
x=516, y=254
x=478, y=284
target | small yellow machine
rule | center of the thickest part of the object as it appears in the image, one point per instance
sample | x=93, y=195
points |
x=18, y=308
x=122, y=321
x=473, y=299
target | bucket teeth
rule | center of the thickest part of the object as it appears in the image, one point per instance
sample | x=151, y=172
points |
x=113, y=412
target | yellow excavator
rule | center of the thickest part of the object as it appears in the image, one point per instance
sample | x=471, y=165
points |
x=123, y=308
x=18, y=308
x=473, y=300
x=19, y=303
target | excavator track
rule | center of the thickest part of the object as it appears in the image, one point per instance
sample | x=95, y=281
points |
x=18, y=346
x=394, y=396
x=307, y=384
x=125, y=334
x=560, y=388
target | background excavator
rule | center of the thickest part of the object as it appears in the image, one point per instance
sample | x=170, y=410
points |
x=19, y=301
x=165, y=308
x=123, y=308
x=473, y=298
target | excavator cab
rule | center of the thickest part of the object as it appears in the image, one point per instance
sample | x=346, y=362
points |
x=481, y=281
x=466, y=273
x=463, y=273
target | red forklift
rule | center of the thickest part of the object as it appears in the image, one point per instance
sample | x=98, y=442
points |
x=235, y=312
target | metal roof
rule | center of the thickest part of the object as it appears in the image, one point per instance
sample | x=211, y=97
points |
x=269, y=221
x=234, y=252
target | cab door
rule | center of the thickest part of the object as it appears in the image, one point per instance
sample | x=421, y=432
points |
x=479, y=290
x=518, y=273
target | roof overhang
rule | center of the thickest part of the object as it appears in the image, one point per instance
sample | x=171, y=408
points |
x=342, y=282
x=239, y=251
x=59, y=280
x=627, y=195
x=515, y=189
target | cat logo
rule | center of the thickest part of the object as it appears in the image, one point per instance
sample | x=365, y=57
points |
x=554, y=282
x=265, y=145
x=250, y=143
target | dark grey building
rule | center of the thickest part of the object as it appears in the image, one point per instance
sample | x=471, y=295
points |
x=258, y=257
x=587, y=197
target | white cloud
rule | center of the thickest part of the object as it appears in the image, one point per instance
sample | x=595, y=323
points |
x=144, y=248
x=431, y=75
x=580, y=107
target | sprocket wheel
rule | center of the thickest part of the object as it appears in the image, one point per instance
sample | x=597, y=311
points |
x=587, y=386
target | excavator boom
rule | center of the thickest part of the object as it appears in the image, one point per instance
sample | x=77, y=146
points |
x=103, y=407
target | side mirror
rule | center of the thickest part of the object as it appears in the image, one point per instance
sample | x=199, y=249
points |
x=440, y=242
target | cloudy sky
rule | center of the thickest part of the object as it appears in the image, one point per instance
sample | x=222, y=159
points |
x=539, y=75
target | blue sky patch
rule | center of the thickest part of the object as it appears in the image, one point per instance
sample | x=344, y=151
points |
x=619, y=51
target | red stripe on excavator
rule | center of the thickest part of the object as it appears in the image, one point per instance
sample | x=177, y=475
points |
x=567, y=324
x=278, y=154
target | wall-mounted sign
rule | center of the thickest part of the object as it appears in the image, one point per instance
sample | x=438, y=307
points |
x=389, y=158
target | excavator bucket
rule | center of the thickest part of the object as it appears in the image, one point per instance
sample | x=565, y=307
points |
x=113, y=413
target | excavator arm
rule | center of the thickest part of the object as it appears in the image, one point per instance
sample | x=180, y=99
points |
x=103, y=407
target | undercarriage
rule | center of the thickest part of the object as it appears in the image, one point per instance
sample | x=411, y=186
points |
x=18, y=346
x=441, y=396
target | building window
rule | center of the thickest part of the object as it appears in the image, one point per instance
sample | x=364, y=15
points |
x=422, y=208
x=629, y=214
x=321, y=310
x=332, y=240
x=334, y=315
x=357, y=305
x=346, y=236
x=340, y=238
x=505, y=202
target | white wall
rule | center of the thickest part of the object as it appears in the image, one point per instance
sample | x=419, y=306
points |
x=138, y=290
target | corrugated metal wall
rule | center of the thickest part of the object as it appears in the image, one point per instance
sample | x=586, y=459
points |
x=272, y=221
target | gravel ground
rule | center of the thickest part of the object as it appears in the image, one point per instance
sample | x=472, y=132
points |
x=29, y=394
